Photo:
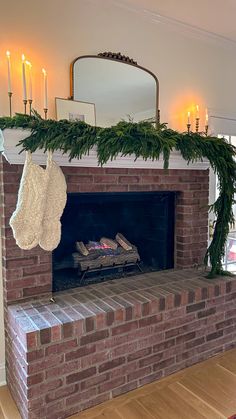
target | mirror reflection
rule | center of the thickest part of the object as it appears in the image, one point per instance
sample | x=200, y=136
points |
x=119, y=91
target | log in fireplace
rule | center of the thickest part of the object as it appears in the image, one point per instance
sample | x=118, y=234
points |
x=146, y=219
x=103, y=256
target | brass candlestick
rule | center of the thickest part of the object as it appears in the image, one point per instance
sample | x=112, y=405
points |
x=188, y=127
x=10, y=104
x=45, y=113
x=25, y=106
x=30, y=106
x=197, y=124
x=158, y=116
x=206, y=129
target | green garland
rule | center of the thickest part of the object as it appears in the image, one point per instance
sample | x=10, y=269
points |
x=143, y=140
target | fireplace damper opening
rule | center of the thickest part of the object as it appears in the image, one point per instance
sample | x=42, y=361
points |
x=145, y=219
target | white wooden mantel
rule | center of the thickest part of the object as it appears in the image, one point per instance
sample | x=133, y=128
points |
x=9, y=138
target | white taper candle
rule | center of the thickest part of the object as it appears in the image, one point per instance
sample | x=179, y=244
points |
x=188, y=117
x=197, y=111
x=45, y=89
x=9, y=70
x=24, y=78
x=30, y=79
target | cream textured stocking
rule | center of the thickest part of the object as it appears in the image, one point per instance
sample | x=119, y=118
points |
x=41, y=200
x=26, y=221
x=55, y=201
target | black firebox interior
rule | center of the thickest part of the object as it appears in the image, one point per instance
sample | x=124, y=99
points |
x=146, y=219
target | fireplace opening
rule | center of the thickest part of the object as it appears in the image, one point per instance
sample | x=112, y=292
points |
x=108, y=235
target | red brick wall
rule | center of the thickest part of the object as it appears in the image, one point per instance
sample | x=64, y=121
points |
x=29, y=273
x=25, y=273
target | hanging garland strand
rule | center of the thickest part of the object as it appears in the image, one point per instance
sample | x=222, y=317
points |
x=141, y=139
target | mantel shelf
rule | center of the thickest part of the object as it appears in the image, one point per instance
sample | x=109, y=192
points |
x=9, y=138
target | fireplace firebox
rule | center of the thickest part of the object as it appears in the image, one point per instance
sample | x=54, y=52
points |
x=145, y=219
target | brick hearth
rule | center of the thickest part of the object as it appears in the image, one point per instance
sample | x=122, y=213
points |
x=106, y=339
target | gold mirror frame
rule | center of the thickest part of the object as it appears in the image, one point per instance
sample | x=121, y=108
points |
x=120, y=58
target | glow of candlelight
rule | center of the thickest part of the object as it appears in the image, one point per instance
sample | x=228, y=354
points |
x=206, y=123
x=24, y=78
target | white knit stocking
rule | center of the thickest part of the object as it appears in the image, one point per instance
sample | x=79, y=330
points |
x=55, y=201
x=26, y=221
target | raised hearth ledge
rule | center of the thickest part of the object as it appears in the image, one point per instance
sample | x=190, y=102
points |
x=10, y=138
x=169, y=289
x=106, y=339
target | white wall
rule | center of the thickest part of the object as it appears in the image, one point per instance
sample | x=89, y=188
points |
x=52, y=33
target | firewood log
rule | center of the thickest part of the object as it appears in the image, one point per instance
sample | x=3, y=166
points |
x=123, y=242
x=82, y=249
x=109, y=242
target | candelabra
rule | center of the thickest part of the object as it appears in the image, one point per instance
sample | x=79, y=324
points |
x=30, y=106
x=45, y=113
x=197, y=122
x=10, y=103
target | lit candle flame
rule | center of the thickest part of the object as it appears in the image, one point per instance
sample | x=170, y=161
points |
x=8, y=53
x=206, y=117
x=23, y=57
x=28, y=63
x=44, y=71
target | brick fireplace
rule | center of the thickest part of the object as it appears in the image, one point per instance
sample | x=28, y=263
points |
x=28, y=273
x=100, y=341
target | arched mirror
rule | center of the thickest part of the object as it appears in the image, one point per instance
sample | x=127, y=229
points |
x=118, y=87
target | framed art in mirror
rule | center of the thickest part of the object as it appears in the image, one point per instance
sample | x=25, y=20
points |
x=75, y=110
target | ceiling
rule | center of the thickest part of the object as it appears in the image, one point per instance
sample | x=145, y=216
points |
x=213, y=16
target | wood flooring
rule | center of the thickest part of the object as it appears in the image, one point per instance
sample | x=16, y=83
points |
x=204, y=391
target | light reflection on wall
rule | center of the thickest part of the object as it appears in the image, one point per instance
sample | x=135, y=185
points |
x=180, y=107
x=38, y=60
